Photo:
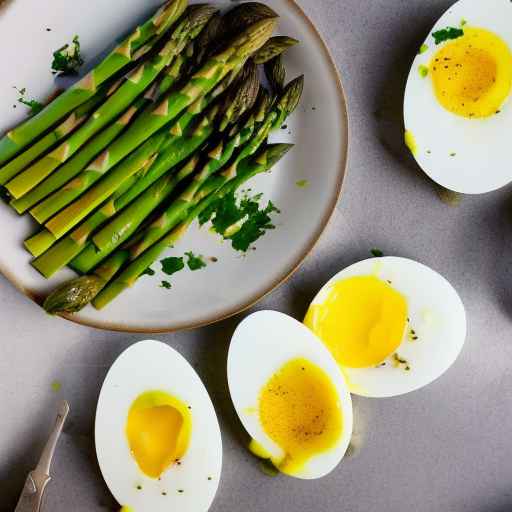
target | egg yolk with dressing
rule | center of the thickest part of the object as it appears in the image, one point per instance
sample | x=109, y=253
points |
x=362, y=321
x=158, y=431
x=472, y=75
x=300, y=412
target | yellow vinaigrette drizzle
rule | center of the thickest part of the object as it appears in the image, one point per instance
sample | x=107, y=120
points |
x=299, y=410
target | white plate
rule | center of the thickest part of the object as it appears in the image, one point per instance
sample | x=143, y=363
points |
x=319, y=128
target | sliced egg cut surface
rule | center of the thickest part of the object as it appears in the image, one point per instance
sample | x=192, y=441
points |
x=361, y=324
x=289, y=394
x=457, y=107
x=157, y=436
x=362, y=320
x=158, y=431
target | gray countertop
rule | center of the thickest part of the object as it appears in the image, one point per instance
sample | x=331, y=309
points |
x=447, y=447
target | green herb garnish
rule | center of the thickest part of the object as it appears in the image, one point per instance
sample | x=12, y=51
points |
x=302, y=183
x=166, y=285
x=242, y=223
x=148, y=272
x=195, y=262
x=377, y=253
x=33, y=105
x=446, y=34
x=423, y=49
x=172, y=265
x=67, y=60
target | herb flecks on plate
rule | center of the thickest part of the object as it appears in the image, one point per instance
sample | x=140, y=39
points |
x=34, y=105
x=172, y=265
x=195, y=262
x=67, y=60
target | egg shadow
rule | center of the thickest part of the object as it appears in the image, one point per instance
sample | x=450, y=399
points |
x=410, y=31
x=211, y=364
x=502, y=273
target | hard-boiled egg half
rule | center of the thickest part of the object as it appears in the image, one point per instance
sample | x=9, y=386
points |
x=392, y=324
x=158, y=441
x=289, y=394
x=457, y=111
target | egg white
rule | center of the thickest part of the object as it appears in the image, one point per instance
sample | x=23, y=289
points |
x=261, y=345
x=436, y=315
x=147, y=366
x=470, y=156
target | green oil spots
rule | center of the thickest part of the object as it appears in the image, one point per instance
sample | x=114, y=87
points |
x=302, y=183
x=423, y=70
x=423, y=49
x=56, y=386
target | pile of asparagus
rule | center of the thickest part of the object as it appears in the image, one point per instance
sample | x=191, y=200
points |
x=117, y=167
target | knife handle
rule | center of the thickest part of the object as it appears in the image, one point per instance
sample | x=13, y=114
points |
x=32, y=495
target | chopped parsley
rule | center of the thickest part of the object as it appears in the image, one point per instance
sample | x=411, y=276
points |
x=195, y=262
x=446, y=34
x=172, y=265
x=68, y=60
x=33, y=105
x=377, y=253
x=243, y=222
x=148, y=272
x=166, y=285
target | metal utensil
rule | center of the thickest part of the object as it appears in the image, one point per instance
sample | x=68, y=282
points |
x=37, y=480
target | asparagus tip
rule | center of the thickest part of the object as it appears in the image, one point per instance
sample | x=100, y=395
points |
x=73, y=295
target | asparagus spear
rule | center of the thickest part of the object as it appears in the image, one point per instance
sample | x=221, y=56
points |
x=72, y=169
x=75, y=119
x=170, y=217
x=77, y=241
x=117, y=231
x=178, y=147
x=273, y=47
x=76, y=294
x=194, y=20
x=212, y=72
x=132, y=48
x=275, y=73
x=212, y=191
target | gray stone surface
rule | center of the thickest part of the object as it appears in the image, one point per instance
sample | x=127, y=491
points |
x=444, y=448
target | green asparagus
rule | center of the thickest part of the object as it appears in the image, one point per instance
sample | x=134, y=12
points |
x=73, y=168
x=131, y=49
x=179, y=146
x=212, y=72
x=264, y=161
x=194, y=20
x=273, y=47
x=77, y=293
x=75, y=119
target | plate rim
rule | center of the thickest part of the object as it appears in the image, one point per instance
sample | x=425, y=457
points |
x=283, y=277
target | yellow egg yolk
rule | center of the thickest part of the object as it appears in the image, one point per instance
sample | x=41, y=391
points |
x=158, y=431
x=472, y=75
x=299, y=411
x=362, y=321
